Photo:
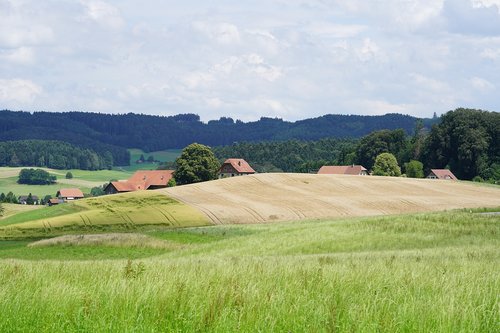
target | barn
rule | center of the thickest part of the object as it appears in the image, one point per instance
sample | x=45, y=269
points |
x=141, y=180
x=69, y=194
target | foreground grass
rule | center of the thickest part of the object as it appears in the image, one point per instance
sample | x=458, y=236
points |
x=416, y=273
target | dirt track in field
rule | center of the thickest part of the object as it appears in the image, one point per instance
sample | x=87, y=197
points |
x=278, y=197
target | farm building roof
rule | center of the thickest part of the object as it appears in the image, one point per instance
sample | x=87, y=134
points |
x=125, y=186
x=147, y=178
x=70, y=193
x=239, y=165
x=443, y=174
x=144, y=179
x=341, y=170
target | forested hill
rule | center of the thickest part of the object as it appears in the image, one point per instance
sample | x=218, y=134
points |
x=159, y=132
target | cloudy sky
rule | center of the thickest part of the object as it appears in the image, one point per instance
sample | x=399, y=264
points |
x=291, y=59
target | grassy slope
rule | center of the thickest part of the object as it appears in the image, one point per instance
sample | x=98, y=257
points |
x=414, y=273
x=13, y=209
x=82, y=179
x=121, y=211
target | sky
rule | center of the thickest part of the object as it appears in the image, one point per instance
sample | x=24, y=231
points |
x=291, y=59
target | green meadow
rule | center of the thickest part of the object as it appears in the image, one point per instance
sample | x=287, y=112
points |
x=82, y=179
x=169, y=155
x=432, y=272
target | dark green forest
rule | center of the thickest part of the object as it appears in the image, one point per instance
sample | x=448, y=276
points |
x=114, y=133
x=466, y=141
x=52, y=154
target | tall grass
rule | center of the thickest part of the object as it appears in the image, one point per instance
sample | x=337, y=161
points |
x=418, y=273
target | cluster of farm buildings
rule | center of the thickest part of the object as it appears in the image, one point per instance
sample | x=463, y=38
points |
x=233, y=167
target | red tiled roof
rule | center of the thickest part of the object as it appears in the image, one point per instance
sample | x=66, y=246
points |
x=125, y=186
x=443, y=174
x=147, y=178
x=70, y=192
x=341, y=170
x=239, y=164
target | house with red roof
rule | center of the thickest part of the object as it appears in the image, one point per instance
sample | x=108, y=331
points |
x=67, y=194
x=233, y=167
x=343, y=170
x=441, y=174
x=141, y=180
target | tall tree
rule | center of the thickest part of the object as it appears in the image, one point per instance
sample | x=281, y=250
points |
x=386, y=165
x=466, y=140
x=197, y=163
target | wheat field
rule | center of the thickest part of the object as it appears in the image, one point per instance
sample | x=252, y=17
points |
x=284, y=197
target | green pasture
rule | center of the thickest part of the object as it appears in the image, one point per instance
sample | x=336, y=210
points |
x=169, y=155
x=434, y=272
x=82, y=179
x=10, y=184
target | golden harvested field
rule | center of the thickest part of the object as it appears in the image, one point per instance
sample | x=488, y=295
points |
x=279, y=197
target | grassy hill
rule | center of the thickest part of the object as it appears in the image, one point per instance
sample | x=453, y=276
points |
x=116, y=212
x=283, y=196
x=431, y=272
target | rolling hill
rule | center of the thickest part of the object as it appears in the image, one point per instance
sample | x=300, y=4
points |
x=282, y=197
x=258, y=198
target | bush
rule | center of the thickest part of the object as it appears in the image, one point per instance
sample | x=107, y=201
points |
x=478, y=179
x=69, y=175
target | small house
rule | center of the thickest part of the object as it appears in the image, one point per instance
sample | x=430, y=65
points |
x=358, y=170
x=55, y=201
x=235, y=167
x=23, y=199
x=67, y=194
x=441, y=174
x=141, y=180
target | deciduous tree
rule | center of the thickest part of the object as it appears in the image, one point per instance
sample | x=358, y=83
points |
x=386, y=165
x=197, y=163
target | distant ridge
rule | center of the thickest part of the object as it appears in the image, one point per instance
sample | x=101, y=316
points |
x=152, y=133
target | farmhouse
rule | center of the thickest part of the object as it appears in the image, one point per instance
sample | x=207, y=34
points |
x=69, y=194
x=141, y=180
x=23, y=199
x=441, y=174
x=235, y=167
x=343, y=170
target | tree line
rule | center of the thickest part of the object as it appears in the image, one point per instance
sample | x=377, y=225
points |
x=466, y=141
x=114, y=132
x=52, y=154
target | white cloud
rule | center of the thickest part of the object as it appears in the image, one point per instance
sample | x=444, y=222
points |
x=242, y=59
x=368, y=51
x=223, y=33
x=18, y=91
x=103, y=13
x=481, y=84
x=492, y=54
x=21, y=56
